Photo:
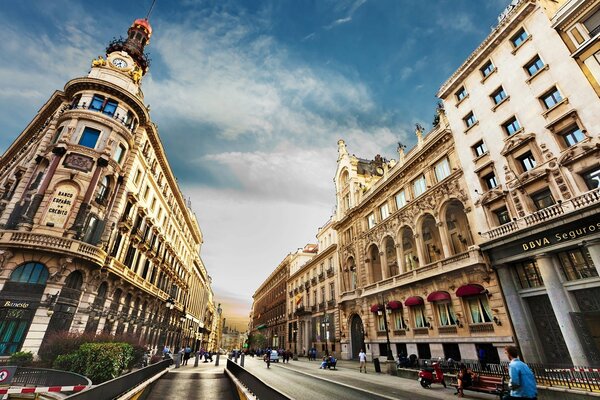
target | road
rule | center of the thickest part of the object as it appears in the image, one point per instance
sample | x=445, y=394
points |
x=302, y=380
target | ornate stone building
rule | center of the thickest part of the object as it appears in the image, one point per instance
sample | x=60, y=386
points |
x=268, y=308
x=409, y=257
x=95, y=233
x=526, y=121
x=313, y=288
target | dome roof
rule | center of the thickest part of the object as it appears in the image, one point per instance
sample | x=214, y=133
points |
x=143, y=22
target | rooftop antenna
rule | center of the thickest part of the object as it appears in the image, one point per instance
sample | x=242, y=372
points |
x=150, y=10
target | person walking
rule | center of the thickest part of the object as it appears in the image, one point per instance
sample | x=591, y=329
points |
x=464, y=379
x=362, y=358
x=186, y=355
x=522, y=382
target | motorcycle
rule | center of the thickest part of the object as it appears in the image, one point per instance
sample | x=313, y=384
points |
x=429, y=375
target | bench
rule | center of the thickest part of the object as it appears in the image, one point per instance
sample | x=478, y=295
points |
x=485, y=384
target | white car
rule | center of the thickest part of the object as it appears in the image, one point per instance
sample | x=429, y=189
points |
x=274, y=356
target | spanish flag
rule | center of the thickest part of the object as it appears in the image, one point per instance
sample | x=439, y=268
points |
x=298, y=299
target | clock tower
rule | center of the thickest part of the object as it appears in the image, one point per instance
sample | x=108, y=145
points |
x=126, y=63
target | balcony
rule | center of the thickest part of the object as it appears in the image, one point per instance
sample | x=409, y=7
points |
x=331, y=303
x=322, y=306
x=329, y=272
x=313, y=280
x=400, y=332
x=380, y=333
x=482, y=328
x=302, y=311
x=445, y=330
x=576, y=204
x=321, y=277
x=421, y=331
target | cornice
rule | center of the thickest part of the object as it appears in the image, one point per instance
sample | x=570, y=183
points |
x=570, y=12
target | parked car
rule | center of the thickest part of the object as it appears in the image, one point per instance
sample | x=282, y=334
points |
x=274, y=356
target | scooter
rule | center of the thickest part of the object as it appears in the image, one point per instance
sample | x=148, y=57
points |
x=429, y=375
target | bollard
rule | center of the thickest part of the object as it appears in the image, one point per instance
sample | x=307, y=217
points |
x=376, y=365
x=217, y=362
x=242, y=360
x=236, y=357
x=177, y=360
x=196, y=360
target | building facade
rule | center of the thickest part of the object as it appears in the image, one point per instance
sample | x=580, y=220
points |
x=411, y=271
x=525, y=114
x=269, y=309
x=95, y=234
x=313, y=287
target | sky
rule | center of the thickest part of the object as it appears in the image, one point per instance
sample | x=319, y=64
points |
x=250, y=99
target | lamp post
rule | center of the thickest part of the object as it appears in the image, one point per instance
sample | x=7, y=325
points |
x=295, y=331
x=390, y=357
x=179, y=330
x=325, y=325
x=170, y=304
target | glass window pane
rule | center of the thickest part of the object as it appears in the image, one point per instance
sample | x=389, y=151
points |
x=89, y=137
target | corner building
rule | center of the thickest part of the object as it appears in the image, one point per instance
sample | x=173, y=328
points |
x=526, y=120
x=95, y=233
x=411, y=269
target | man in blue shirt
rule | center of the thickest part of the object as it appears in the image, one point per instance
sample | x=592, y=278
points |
x=522, y=382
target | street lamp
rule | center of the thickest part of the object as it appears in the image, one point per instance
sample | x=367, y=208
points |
x=179, y=333
x=170, y=304
x=325, y=325
x=295, y=331
x=390, y=357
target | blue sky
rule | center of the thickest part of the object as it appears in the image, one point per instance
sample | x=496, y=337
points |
x=250, y=98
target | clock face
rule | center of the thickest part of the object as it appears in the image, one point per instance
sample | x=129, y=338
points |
x=119, y=63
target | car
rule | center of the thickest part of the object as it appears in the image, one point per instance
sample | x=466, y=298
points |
x=274, y=356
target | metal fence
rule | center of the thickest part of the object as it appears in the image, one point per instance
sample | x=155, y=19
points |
x=565, y=375
x=113, y=388
x=47, y=377
x=260, y=389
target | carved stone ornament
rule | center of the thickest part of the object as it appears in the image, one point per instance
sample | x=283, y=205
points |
x=79, y=162
x=64, y=263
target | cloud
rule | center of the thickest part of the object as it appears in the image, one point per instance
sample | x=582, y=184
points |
x=461, y=22
x=347, y=7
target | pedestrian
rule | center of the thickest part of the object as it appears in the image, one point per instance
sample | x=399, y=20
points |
x=362, y=358
x=268, y=359
x=464, y=379
x=522, y=382
x=481, y=356
x=186, y=355
x=324, y=362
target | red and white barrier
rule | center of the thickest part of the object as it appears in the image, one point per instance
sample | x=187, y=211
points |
x=43, y=389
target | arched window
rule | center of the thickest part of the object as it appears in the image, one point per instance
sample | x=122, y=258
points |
x=74, y=280
x=32, y=273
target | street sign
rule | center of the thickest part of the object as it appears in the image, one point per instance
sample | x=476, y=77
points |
x=6, y=375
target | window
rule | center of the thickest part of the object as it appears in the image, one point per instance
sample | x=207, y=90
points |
x=332, y=291
x=519, y=38
x=89, y=137
x=470, y=119
x=502, y=215
x=30, y=273
x=442, y=170
x=384, y=211
x=542, y=199
x=498, y=95
x=592, y=23
x=398, y=320
x=102, y=191
x=479, y=149
x=461, y=93
x=551, y=98
x=371, y=220
x=592, y=178
x=380, y=322
x=527, y=161
x=577, y=264
x=119, y=153
x=490, y=181
x=446, y=314
x=419, y=185
x=419, y=314
x=99, y=103
x=57, y=135
x=528, y=275
x=534, y=66
x=487, y=69
x=146, y=191
x=511, y=126
x=479, y=309
x=138, y=176
x=400, y=199
x=572, y=135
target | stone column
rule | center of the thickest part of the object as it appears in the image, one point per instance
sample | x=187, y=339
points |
x=420, y=250
x=443, y=231
x=85, y=205
x=521, y=320
x=562, y=307
x=400, y=257
x=593, y=247
x=385, y=273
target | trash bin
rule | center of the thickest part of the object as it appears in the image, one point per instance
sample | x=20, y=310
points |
x=376, y=365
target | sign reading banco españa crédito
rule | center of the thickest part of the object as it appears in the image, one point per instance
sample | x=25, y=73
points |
x=60, y=206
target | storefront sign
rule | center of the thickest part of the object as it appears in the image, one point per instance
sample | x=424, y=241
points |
x=15, y=304
x=60, y=205
x=571, y=232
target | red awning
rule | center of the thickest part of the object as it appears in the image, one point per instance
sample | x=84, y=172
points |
x=394, y=305
x=414, y=301
x=438, y=296
x=376, y=307
x=470, y=290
